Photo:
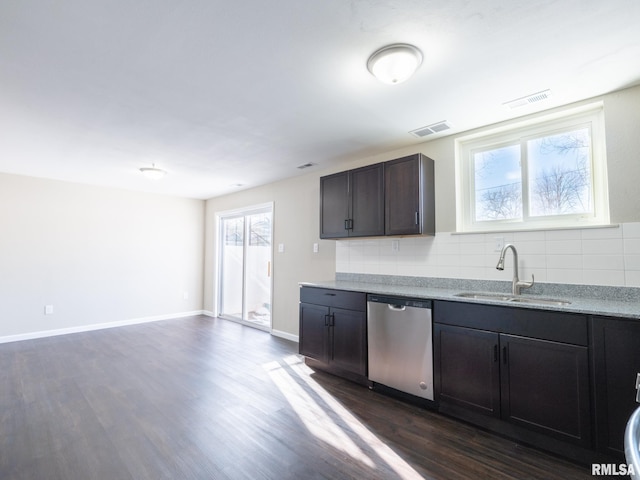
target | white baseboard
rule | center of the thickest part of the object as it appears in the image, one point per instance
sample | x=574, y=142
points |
x=275, y=333
x=285, y=335
x=96, y=326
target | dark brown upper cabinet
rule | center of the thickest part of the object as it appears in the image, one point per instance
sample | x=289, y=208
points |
x=409, y=202
x=352, y=203
x=388, y=198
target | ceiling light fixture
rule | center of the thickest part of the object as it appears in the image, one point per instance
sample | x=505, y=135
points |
x=152, y=172
x=394, y=63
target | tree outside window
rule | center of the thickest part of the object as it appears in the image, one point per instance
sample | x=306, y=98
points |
x=555, y=171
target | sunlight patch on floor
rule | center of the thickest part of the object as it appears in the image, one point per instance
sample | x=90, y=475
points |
x=312, y=415
x=331, y=422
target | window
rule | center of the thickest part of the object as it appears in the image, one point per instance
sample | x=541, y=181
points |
x=551, y=173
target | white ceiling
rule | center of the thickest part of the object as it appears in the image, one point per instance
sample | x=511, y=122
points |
x=225, y=93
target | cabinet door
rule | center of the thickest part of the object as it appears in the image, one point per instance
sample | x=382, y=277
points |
x=314, y=332
x=409, y=196
x=348, y=338
x=367, y=201
x=469, y=370
x=334, y=205
x=616, y=357
x=545, y=387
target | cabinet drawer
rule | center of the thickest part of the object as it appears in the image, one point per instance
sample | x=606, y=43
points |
x=334, y=298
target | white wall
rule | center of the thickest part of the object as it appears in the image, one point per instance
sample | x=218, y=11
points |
x=97, y=255
x=295, y=224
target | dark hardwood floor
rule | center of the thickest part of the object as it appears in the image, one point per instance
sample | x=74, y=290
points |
x=203, y=398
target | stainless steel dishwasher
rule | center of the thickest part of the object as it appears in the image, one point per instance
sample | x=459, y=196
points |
x=400, y=341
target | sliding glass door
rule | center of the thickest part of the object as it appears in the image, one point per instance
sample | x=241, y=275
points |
x=245, y=266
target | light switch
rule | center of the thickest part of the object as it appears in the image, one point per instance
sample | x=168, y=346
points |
x=315, y=248
x=48, y=309
x=281, y=248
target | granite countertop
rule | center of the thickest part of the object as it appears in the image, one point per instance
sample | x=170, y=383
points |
x=621, y=302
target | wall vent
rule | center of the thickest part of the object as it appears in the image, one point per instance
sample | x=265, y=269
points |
x=529, y=99
x=306, y=165
x=430, y=129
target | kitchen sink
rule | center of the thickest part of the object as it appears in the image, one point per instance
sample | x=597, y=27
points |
x=485, y=296
x=539, y=301
x=502, y=297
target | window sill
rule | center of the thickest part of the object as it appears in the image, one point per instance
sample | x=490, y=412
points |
x=541, y=229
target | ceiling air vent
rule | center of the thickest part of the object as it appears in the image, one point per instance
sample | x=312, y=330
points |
x=306, y=165
x=430, y=129
x=529, y=99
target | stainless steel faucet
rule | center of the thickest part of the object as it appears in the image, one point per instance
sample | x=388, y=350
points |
x=516, y=284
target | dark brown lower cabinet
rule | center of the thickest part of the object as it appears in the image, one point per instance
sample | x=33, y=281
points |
x=469, y=375
x=616, y=362
x=536, y=384
x=545, y=387
x=333, y=331
x=314, y=332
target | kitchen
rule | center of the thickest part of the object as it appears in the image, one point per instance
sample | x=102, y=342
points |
x=72, y=236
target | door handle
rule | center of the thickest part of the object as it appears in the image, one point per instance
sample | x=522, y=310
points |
x=495, y=353
x=504, y=355
x=332, y=320
x=417, y=218
x=326, y=320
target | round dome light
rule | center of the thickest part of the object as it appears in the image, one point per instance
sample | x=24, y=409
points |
x=394, y=63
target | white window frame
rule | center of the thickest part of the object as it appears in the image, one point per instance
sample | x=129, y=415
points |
x=591, y=115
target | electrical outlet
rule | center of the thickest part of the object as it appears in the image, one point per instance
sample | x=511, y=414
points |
x=48, y=309
x=281, y=248
x=395, y=245
x=315, y=248
x=499, y=244
x=185, y=295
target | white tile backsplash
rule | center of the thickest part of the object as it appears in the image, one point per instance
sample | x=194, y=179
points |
x=595, y=256
x=603, y=277
x=603, y=262
x=632, y=278
x=603, y=246
x=611, y=232
x=631, y=230
x=632, y=246
x=564, y=247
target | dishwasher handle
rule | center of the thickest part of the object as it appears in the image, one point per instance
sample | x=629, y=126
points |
x=396, y=308
x=396, y=303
